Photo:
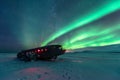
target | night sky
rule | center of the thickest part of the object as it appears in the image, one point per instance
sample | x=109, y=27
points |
x=74, y=24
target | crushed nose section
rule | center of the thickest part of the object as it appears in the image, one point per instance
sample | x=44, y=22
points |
x=41, y=53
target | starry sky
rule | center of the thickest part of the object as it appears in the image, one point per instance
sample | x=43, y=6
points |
x=74, y=24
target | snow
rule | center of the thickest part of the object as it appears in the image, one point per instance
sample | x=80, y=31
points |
x=70, y=66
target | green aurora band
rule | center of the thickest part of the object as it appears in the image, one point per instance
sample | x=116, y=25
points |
x=103, y=38
x=100, y=12
x=92, y=33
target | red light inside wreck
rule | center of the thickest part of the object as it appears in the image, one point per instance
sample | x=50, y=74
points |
x=42, y=50
x=45, y=49
x=38, y=50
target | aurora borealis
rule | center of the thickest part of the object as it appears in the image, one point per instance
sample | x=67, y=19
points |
x=105, y=9
x=71, y=23
x=78, y=40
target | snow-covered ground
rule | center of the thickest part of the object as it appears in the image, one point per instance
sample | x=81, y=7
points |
x=71, y=66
